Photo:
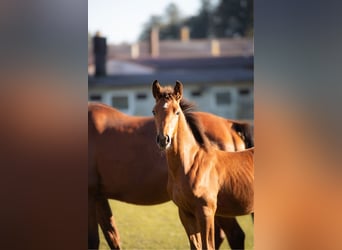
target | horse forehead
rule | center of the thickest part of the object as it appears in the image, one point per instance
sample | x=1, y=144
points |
x=166, y=105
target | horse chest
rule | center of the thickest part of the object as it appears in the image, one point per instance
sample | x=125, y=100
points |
x=188, y=195
x=183, y=198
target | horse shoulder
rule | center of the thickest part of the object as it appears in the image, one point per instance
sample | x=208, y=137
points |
x=204, y=175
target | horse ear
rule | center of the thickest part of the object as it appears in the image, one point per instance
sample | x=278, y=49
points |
x=156, y=89
x=178, y=90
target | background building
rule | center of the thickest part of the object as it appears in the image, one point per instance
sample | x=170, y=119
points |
x=217, y=75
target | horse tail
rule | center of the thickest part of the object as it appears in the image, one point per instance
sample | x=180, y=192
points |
x=246, y=132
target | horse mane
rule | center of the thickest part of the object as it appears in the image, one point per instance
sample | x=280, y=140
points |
x=245, y=131
x=194, y=123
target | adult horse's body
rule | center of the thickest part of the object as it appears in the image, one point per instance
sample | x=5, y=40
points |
x=203, y=181
x=125, y=164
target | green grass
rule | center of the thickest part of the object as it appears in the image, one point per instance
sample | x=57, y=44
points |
x=158, y=227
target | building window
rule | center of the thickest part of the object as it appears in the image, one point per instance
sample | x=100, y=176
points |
x=223, y=98
x=120, y=102
x=196, y=93
x=141, y=96
x=244, y=92
x=95, y=98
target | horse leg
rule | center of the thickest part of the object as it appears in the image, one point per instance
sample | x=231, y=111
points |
x=106, y=220
x=233, y=231
x=219, y=235
x=93, y=233
x=206, y=216
x=190, y=224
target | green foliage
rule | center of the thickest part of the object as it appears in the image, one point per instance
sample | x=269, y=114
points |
x=233, y=17
x=172, y=14
x=201, y=24
x=158, y=227
x=154, y=21
x=228, y=19
x=168, y=29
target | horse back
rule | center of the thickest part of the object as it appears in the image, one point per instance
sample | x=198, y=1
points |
x=101, y=116
x=228, y=135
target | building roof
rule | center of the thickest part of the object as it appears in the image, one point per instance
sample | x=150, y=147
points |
x=198, y=63
x=187, y=70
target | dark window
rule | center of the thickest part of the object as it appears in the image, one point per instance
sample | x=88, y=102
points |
x=95, y=98
x=223, y=98
x=196, y=93
x=141, y=96
x=244, y=91
x=120, y=102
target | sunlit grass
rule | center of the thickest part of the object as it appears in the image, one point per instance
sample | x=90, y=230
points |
x=158, y=227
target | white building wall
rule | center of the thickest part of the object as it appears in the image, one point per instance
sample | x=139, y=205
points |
x=141, y=101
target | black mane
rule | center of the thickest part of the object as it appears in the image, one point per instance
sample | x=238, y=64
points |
x=195, y=125
x=245, y=131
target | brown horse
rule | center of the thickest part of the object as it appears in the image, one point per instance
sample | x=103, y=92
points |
x=122, y=150
x=202, y=180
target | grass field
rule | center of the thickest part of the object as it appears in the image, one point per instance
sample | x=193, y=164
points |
x=158, y=227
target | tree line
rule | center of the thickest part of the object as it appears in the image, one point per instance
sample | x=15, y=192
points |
x=229, y=18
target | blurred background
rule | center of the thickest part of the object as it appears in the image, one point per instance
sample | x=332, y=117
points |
x=207, y=45
x=44, y=92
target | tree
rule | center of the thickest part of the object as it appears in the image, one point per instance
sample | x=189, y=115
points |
x=169, y=29
x=201, y=24
x=228, y=19
x=233, y=18
x=172, y=14
x=155, y=21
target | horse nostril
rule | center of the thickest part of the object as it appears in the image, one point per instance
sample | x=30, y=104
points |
x=163, y=140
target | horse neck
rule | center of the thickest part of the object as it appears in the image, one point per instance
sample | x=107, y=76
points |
x=183, y=148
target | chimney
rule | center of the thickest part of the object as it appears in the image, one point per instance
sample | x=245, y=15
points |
x=135, y=50
x=100, y=54
x=215, y=47
x=154, y=42
x=185, y=34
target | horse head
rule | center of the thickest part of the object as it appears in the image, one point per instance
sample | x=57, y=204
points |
x=166, y=112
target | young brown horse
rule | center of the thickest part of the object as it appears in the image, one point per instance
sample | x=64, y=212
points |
x=122, y=150
x=202, y=180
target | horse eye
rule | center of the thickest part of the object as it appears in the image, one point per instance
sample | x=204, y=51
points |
x=177, y=113
x=153, y=112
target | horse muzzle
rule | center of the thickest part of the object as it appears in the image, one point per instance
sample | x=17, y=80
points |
x=163, y=141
